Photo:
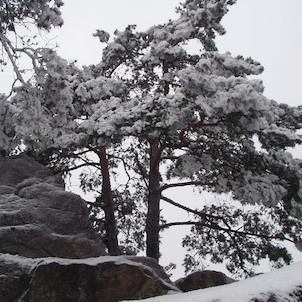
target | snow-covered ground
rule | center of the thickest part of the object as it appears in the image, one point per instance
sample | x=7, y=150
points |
x=280, y=282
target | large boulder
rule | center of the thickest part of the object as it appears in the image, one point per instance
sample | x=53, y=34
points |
x=101, y=279
x=38, y=218
x=202, y=279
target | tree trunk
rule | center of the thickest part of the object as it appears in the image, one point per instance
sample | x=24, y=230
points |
x=153, y=215
x=108, y=206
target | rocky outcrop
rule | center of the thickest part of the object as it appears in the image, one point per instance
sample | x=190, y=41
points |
x=202, y=279
x=102, y=279
x=38, y=218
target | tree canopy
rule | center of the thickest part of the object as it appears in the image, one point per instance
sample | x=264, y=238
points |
x=173, y=112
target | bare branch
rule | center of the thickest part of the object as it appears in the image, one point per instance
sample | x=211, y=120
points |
x=215, y=226
x=30, y=53
x=198, y=213
x=9, y=49
x=86, y=164
x=125, y=165
x=177, y=223
x=183, y=184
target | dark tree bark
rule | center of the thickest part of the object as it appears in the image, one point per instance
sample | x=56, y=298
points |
x=153, y=215
x=108, y=206
x=154, y=197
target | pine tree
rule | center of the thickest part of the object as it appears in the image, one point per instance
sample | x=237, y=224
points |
x=51, y=124
x=33, y=16
x=201, y=112
x=176, y=113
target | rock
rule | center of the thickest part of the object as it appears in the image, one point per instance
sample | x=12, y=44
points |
x=38, y=218
x=101, y=279
x=202, y=279
x=15, y=274
x=15, y=169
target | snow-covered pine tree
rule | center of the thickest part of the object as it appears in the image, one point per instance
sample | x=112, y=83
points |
x=16, y=16
x=32, y=15
x=199, y=113
x=51, y=119
x=192, y=117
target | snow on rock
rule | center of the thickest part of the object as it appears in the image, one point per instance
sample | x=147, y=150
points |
x=280, y=285
x=106, y=279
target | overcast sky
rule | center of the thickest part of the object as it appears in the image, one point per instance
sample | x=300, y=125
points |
x=269, y=31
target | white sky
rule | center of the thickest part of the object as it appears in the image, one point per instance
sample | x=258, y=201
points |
x=269, y=31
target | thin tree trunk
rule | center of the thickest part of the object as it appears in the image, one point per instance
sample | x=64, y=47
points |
x=153, y=214
x=108, y=206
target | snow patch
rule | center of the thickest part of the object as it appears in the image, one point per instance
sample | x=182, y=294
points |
x=280, y=282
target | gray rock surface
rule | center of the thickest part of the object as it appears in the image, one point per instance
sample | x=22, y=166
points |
x=15, y=169
x=202, y=279
x=38, y=218
x=15, y=274
x=101, y=279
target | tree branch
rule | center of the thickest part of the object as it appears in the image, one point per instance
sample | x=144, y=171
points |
x=198, y=213
x=95, y=204
x=86, y=164
x=141, y=169
x=215, y=226
x=183, y=184
x=125, y=165
x=169, y=157
x=8, y=48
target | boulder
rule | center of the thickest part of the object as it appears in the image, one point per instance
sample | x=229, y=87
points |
x=202, y=279
x=38, y=218
x=101, y=279
x=15, y=274
x=15, y=169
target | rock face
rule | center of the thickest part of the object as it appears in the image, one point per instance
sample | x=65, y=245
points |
x=102, y=279
x=38, y=218
x=202, y=279
x=14, y=277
